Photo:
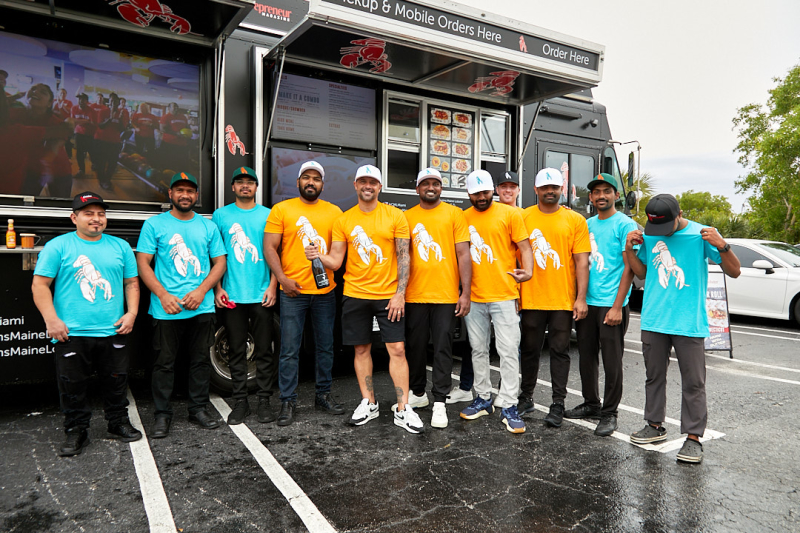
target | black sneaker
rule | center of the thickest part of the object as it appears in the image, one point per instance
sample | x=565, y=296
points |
x=287, y=413
x=328, y=404
x=691, y=452
x=525, y=406
x=265, y=412
x=555, y=416
x=583, y=411
x=76, y=441
x=239, y=412
x=607, y=425
x=649, y=435
x=124, y=431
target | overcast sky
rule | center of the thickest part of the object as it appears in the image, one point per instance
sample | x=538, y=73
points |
x=675, y=73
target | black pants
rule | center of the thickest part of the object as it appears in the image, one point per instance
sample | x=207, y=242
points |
x=195, y=335
x=534, y=323
x=257, y=320
x=104, y=160
x=435, y=322
x=75, y=360
x=593, y=336
x=83, y=146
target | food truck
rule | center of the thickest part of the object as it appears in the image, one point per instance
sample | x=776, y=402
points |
x=212, y=85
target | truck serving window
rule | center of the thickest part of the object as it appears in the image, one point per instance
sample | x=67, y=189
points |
x=403, y=143
x=578, y=171
x=494, y=143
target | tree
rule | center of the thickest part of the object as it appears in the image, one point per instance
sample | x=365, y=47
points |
x=694, y=204
x=769, y=148
x=647, y=190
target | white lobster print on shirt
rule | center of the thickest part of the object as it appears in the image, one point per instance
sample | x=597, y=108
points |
x=241, y=244
x=667, y=266
x=596, y=258
x=477, y=246
x=310, y=236
x=425, y=243
x=90, y=279
x=365, y=247
x=542, y=250
x=182, y=256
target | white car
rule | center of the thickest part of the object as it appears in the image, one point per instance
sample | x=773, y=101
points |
x=769, y=285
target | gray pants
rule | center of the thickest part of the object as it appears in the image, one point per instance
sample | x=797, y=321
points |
x=691, y=356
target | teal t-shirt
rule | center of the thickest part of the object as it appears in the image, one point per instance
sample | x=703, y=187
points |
x=675, y=287
x=88, y=294
x=183, y=250
x=606, y=264
x=242, y=231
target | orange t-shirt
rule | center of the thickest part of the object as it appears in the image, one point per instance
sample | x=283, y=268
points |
x=434, y=273
x=554, y=238
x=493, y=235
x=371, y=269
x=302, y=224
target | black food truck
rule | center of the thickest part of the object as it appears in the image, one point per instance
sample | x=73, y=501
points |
x=211, y=85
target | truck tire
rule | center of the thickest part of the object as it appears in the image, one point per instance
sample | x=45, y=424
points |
x=220, y=351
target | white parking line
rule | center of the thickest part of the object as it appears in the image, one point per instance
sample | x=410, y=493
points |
x=156, y=505
x=735, y=329
x=298, y=499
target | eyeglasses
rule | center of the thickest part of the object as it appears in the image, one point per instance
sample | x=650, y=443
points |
x=240, y=181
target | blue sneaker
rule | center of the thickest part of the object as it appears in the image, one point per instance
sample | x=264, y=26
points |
x=478, y=408
x=512, y=420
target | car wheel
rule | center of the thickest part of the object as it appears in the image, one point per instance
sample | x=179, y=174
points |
x=220, y=354
x=796, y=309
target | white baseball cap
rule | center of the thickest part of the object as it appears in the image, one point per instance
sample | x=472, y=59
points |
x=368, y=171
x=479, y=180
x=428, y=173
x=549, y=176
x=313, y=165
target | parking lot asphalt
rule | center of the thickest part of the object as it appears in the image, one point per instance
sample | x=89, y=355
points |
x=319, y=474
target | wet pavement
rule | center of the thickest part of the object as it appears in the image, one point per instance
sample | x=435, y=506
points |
x=321, y=475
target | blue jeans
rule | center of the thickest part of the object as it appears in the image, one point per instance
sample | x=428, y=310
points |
x=293, y=317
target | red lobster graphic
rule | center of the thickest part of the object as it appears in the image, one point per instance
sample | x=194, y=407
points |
x=371, y=51
x=233, y=141
x=143, y=12
x=502, y=82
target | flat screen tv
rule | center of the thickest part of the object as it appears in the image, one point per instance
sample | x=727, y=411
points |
x=74, y=118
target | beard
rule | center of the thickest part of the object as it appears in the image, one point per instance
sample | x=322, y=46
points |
x=481, y=205
x=309, y=193
x=183, y=209
x=429, y=200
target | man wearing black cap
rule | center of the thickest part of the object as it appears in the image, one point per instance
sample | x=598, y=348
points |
x=507, y=188
x=190, y=260
x=246, y=295
x=607, y=301
x=85, y=316
x=674, y=258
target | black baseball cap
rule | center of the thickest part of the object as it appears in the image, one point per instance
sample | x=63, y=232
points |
x=86, y=199
x=509, y=177
x=661, y=210
x=246, y=171
x=183, y=176
x=603, y=178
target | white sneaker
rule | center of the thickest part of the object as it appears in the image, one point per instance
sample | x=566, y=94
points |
x=408, y=420
x=417, y=402
x=364, y=413
x=439, y=418
x=458, y=395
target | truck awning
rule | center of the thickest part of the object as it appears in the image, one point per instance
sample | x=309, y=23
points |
x=199, y=22
x=443, y=46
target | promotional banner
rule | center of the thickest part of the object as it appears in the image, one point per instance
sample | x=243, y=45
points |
x=719, y=323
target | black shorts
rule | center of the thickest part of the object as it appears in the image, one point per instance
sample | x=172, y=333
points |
x=357, y=322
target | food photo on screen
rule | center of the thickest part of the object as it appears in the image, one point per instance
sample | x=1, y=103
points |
x=74, y=118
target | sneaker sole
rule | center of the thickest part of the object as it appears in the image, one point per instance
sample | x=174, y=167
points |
x=370, y=416
x=652, y=440
x=689, y=460
x=513, y=430
x=440, y=425
x=479, y=414
x=402, y=424
x=552, y=423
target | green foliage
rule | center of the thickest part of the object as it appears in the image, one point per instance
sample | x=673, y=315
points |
x=769, y=148
x=694, y=204
x=647, y=189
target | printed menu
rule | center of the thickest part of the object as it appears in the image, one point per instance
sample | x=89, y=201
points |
x=719, y=323
x=451, y=143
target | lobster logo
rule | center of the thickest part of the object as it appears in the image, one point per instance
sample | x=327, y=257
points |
x=501, y=81
x=89, y=279
x=667, y=266
x=522, y=46
x=143, y=12
x=372, y=51
x=241, y=244
x=477, y=246
x=310, y=236
x=365, y=247
x=596, y=258
x=425, y=243
x=233, y=141
x=542, y=250
x=182, y=256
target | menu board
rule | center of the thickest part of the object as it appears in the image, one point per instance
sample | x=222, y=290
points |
x=325, y=112
x=451, y=143
x=719, y=322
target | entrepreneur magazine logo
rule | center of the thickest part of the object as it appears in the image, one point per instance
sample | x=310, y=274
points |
x=272, y=12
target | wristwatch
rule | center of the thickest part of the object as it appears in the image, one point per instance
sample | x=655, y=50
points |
x=726, y=248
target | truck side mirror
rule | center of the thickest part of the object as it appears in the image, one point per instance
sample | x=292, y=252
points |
x=630, y=199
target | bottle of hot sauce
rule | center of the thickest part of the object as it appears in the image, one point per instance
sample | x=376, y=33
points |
x=11, y=235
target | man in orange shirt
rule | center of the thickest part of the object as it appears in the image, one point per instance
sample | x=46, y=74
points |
x=496, y=231
x=439, y=260
x=375, y=237
x=293, y=225
x=556, y=295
